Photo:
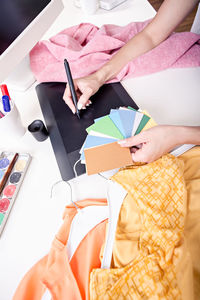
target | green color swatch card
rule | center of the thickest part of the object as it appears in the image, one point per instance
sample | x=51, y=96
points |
x=143, y=122
x=107, y=127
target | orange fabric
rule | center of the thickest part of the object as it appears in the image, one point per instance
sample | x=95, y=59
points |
x=64, y=279
x=31, y=287
x=87, y=257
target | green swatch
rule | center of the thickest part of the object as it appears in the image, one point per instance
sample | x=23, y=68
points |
x=129, y=107
x=143, y=122
x=106, y=126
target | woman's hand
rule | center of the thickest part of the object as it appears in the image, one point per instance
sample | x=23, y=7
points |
x=85, y=87
x=152, y=143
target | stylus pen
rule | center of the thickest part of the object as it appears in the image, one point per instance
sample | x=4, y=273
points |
x=71, y=86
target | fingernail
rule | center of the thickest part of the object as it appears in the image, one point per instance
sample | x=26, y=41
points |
x=87, y=104
x=83, y=107
x=133, y=157
x=121, y=142
x=73, y=110
x=90, y=102
x=80, y=105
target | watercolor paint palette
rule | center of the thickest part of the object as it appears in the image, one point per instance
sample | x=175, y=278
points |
x=13, y=183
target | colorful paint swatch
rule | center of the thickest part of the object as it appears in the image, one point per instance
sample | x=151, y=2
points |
x=138, y=118
x=97, y=119
x=99, y=134
x=115, y=117
x=106, y=160
x=106, y=126
x=143, y=122
x=127, y=118
x=92, y=141
x=100, y=150
x=129, y=107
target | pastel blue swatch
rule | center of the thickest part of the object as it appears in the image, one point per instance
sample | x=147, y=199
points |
x=115, y=117
x=114, y=110
x=92, y=141
x=127, y=118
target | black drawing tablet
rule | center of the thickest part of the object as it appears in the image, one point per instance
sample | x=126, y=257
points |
x=67, y=133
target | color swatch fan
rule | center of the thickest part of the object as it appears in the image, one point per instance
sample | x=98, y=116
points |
x=100, y=151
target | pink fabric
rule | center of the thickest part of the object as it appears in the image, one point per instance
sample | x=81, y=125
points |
x=88, y=47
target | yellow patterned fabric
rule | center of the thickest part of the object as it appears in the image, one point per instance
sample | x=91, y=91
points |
x=158, y=190
x=191, y=161
x=127, y=234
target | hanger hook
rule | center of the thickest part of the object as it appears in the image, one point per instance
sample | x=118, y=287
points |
x=70, y=191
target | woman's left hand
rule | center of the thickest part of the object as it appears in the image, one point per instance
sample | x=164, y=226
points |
x=152, y=143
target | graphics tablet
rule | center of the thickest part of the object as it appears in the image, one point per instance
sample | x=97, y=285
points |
x=67, y=133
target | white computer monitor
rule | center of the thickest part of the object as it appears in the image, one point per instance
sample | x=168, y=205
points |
x=22, y=24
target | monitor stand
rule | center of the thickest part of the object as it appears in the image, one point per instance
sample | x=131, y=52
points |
x=22, y=77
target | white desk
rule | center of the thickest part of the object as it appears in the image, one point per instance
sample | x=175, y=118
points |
x=170, y=96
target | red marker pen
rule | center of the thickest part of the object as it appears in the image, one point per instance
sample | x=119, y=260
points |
x=4, y=90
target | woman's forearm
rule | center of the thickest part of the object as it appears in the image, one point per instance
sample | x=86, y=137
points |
x=169, y=16
x=138, y=45
x=187, y=135
x=159, y=140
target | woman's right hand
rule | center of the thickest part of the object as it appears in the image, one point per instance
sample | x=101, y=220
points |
x=85, y=87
